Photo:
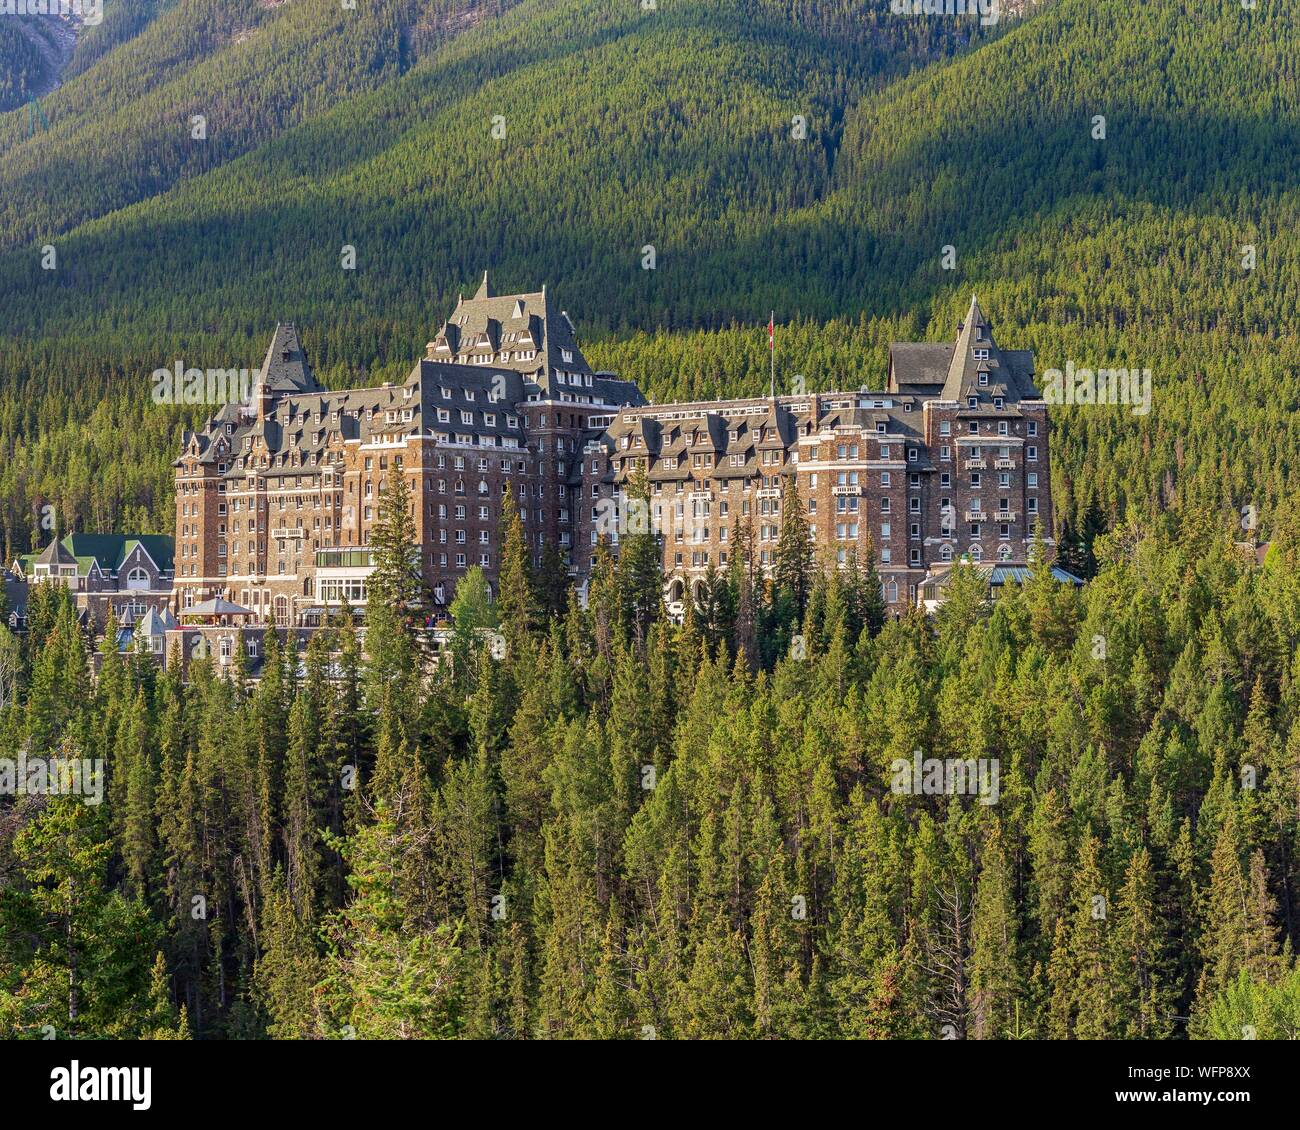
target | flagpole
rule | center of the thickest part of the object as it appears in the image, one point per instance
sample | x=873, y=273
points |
x=771, y=348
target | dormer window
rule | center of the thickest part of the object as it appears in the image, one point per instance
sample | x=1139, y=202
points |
x=981, y=354
x=972, y=402
x=983, y=378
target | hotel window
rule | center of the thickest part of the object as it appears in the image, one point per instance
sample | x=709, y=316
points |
x=1032, y=480
x=972, y=402
x=945, y=454
x=997, y=403
x=884, y=506
x=884, y=531
x=916, y=557
x=915, y=530
x=884, y=478
x=1033, y=506
x=460, y=561
x=915, y=505
x=885, y=555
x=1033, y=427
x=984, y=378
x=1031, y=453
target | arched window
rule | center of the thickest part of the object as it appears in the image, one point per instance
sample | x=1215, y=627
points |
x=1004, y=553
x=891, y=592
x=945, y=553
x=137, y=578
x=976, y=553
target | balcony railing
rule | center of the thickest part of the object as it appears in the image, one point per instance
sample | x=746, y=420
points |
x=846, y=489
x=975, y=464
x=1005, y=464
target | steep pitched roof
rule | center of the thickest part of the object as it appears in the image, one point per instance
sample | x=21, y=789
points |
x=489, y=323
x=1009, y=375
x=56, y=553
x=155, y=623
x=285, y=368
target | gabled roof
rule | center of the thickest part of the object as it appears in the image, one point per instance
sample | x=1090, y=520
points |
x=105, y=552
x=112, y=550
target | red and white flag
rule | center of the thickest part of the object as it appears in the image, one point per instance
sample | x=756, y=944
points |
x=771, y=331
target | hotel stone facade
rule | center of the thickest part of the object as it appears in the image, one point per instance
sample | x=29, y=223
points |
x=275, y=499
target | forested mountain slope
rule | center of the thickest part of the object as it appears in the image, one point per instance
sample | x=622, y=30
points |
x=674, y=127
x=622, y=127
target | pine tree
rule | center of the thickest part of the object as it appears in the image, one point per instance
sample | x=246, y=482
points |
x=640, y=563
x=793, y=570
x=994, y=979
x=517, y=600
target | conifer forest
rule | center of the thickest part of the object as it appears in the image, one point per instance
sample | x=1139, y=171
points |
x=551, y=801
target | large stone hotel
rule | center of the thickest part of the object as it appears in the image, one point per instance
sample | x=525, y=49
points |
x=275, y=498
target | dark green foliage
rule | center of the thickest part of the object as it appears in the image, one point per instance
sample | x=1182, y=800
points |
x=584, y=837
